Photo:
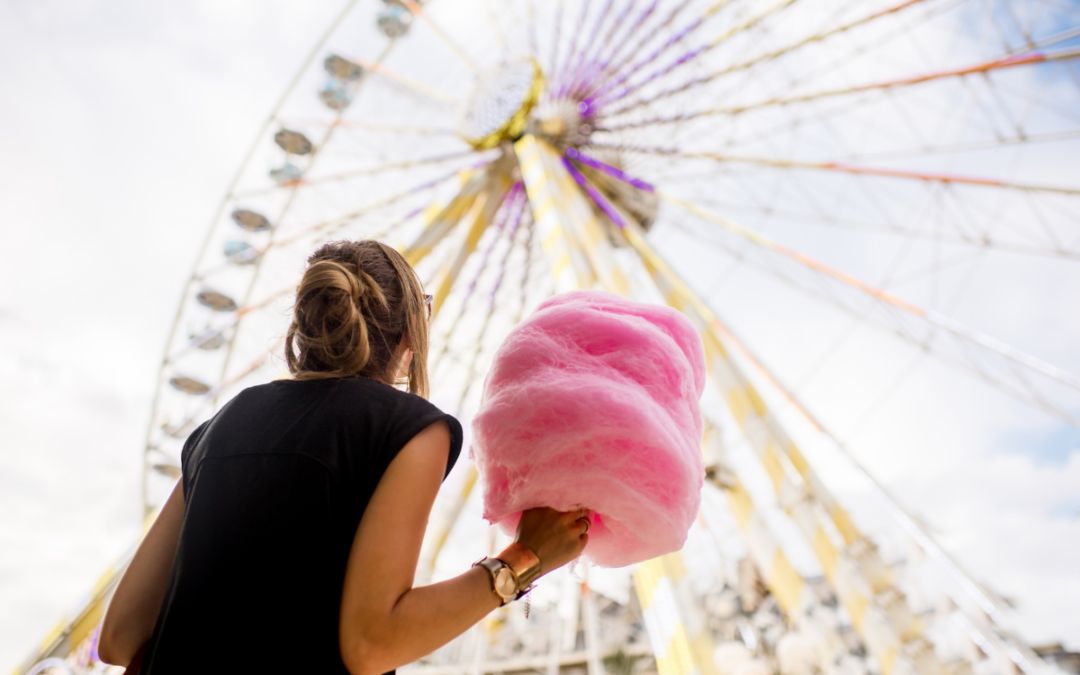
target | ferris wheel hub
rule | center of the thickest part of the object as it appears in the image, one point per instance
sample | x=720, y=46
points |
x=559, y=123
x=499, y=107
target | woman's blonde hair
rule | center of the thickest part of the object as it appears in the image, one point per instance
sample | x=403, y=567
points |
x=356, y=302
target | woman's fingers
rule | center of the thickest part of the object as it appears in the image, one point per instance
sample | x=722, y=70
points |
x=585, y=524
x=556, y=537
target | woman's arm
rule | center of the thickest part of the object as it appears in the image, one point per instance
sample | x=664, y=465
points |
x=133, y=610
x=385, y=623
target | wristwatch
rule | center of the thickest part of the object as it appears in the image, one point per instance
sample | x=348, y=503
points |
x=513, y=571
x=503, y=580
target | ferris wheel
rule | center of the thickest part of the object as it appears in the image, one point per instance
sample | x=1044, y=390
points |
x=715, y=155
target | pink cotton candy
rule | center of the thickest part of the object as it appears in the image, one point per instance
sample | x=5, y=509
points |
x=593, y=402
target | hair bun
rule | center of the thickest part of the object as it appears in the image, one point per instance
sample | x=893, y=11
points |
x=330, y=274
x=328, y=327
x=355, y=304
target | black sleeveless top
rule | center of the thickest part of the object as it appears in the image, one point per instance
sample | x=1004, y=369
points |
x=275, y=485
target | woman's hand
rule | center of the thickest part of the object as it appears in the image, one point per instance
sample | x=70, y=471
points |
x=556, y=538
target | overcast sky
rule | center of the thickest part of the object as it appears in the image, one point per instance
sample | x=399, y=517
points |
x=120, y=125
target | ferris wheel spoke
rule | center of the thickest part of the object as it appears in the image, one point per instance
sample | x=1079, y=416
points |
x=313, y=156
x=930, y=148
x=851, y=56
x=342, y=221
x=600, y=85
x=976, y=241
x=857, y=169
x=557, y=41
x=496, y=28
x=293, y=83
x=604, y=59
x=963, y=582
x=408, y=82
x=569, y=228
x=509, y=205
x=1016, y=383
x=209, y=398
x=600, y=101
x=527, y=265
x=488, y=203
x=743, y=400
x=333, y=224
x=374, y=127
x=966, y=336
x=1049, y=40
x=590, y=63
x=1041, y=217
x=238, y=316
x=534, y=40
x=557, y=77
x=441, y=219
x=516, y=206
x=1043, y=99
x=359, y=173
x=907, y=28
x=471, y=368
x=258, y=261
x=818, y=513
x=1030, y=58
x=987, y=66
x=743, y=65
x=585, y=63
x=416, y=10
x=1020, y=26
x=591, y=103
x=521, y=214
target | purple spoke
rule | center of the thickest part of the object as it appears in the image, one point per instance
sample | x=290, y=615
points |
x=500, y=223
x=491, y=298
x=527, y=271
x=689, y=84
x=513, y=231
x=604, y=62
x=435, y=181
x=409, y=216
x=594, y=194
x=594, y=100
x=593, y=62
x=743, y=65
x=585, y=75
x=574, y=153
x=605, y=85
x=625, y=91
x=573, y=71
x=558, y=76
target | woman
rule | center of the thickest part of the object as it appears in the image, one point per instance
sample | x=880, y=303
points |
x=291, y=542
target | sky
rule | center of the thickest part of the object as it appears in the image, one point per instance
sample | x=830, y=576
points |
x=121, y=124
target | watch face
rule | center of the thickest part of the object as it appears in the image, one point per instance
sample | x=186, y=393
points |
x=505, y=585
